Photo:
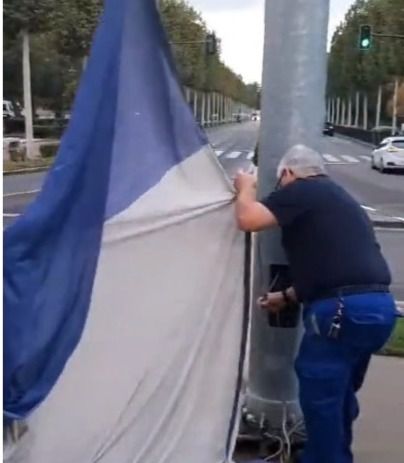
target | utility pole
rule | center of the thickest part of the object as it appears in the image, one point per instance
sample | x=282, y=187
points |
x=293, y=112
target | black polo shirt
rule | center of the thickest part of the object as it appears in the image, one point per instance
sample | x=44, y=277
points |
x=328, y=237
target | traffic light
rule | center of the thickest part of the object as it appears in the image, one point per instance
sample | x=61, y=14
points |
x=211, y=44
x=365, y=38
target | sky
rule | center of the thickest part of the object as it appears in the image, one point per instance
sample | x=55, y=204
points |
x=240, y=25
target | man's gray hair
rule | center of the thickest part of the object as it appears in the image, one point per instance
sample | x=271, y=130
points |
x=303, y=162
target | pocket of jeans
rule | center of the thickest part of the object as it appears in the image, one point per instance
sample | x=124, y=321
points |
x=367, y=331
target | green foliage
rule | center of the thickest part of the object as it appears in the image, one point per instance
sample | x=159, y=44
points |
x=49, y=151
x=351, y=69
x=196, y=68
x=61, y=35
x=30, y=15
x=395, y=346
x=74, y=23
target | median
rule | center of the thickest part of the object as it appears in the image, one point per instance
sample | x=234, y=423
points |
x=395, y=347
x=18, y=164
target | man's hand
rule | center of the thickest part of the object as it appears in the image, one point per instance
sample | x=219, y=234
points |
x=244, y=182
x=273, y=302
x=251, y=215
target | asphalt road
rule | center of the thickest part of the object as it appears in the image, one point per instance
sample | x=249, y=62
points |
x=380, y=429
x=348, y=163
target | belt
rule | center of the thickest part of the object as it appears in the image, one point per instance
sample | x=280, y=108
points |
x=349, y=291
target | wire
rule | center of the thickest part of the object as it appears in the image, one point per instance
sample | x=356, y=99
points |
x=288, y=445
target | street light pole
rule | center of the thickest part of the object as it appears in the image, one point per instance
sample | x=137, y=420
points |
x=293, y=112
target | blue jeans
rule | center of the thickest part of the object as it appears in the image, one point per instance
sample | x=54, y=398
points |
x=331, y=371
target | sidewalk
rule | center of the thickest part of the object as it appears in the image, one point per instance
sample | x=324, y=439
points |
x=379, y=433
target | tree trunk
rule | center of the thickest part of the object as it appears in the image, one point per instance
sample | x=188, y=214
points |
x=84, y=63
x=365, y=112
x=209, y=106
x=338, y=111
x=395, y=107
x=203, y=109
x=195, y=104
x=350, y=112
x=379, y=105
x=343, y=115
x=32, y=151
x=187, y=94
x=357, y=109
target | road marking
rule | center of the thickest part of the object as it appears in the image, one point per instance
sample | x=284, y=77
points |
x=20, y=193
x=219, y=153
x=250, y=155
x=233, y=155
x=349, y=158
x=367, y=208
x=366, y=158
x=330, y=158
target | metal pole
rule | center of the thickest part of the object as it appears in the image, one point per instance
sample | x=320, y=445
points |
x=379, y=105
x=395, y=107
x=294, y=83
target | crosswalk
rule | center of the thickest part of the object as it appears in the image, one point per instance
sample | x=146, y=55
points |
x=328, y=158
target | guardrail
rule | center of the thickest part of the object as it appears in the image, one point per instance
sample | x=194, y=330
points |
x=374, y=136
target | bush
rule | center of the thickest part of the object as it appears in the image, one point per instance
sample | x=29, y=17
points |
x=48, y=131
x=49, y=151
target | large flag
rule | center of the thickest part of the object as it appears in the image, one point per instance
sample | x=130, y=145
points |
x=124, y=288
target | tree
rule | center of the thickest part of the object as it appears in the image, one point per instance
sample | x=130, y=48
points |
x=23, y=18
x=352, y=70
x=74, y=23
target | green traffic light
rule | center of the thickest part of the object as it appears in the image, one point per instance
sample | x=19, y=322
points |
x=365, y=37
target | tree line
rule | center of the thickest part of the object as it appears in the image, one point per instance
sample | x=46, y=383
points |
x=373, y=71
x=61, y=32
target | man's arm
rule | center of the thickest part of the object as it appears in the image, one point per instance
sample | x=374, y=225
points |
x=251, y=215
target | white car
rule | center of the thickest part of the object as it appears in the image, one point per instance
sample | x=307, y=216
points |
x=389, y=154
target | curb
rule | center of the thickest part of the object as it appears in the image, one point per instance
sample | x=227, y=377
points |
x=356, y=140
x=28, y=170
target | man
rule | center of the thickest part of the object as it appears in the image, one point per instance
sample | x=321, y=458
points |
x=342, y=280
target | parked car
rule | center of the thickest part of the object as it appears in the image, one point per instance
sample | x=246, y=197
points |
x=328, y=129
x=255, y=116
x=8, y=110
x=389, y=154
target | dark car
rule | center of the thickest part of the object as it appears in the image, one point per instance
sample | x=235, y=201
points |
x=328, y=129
